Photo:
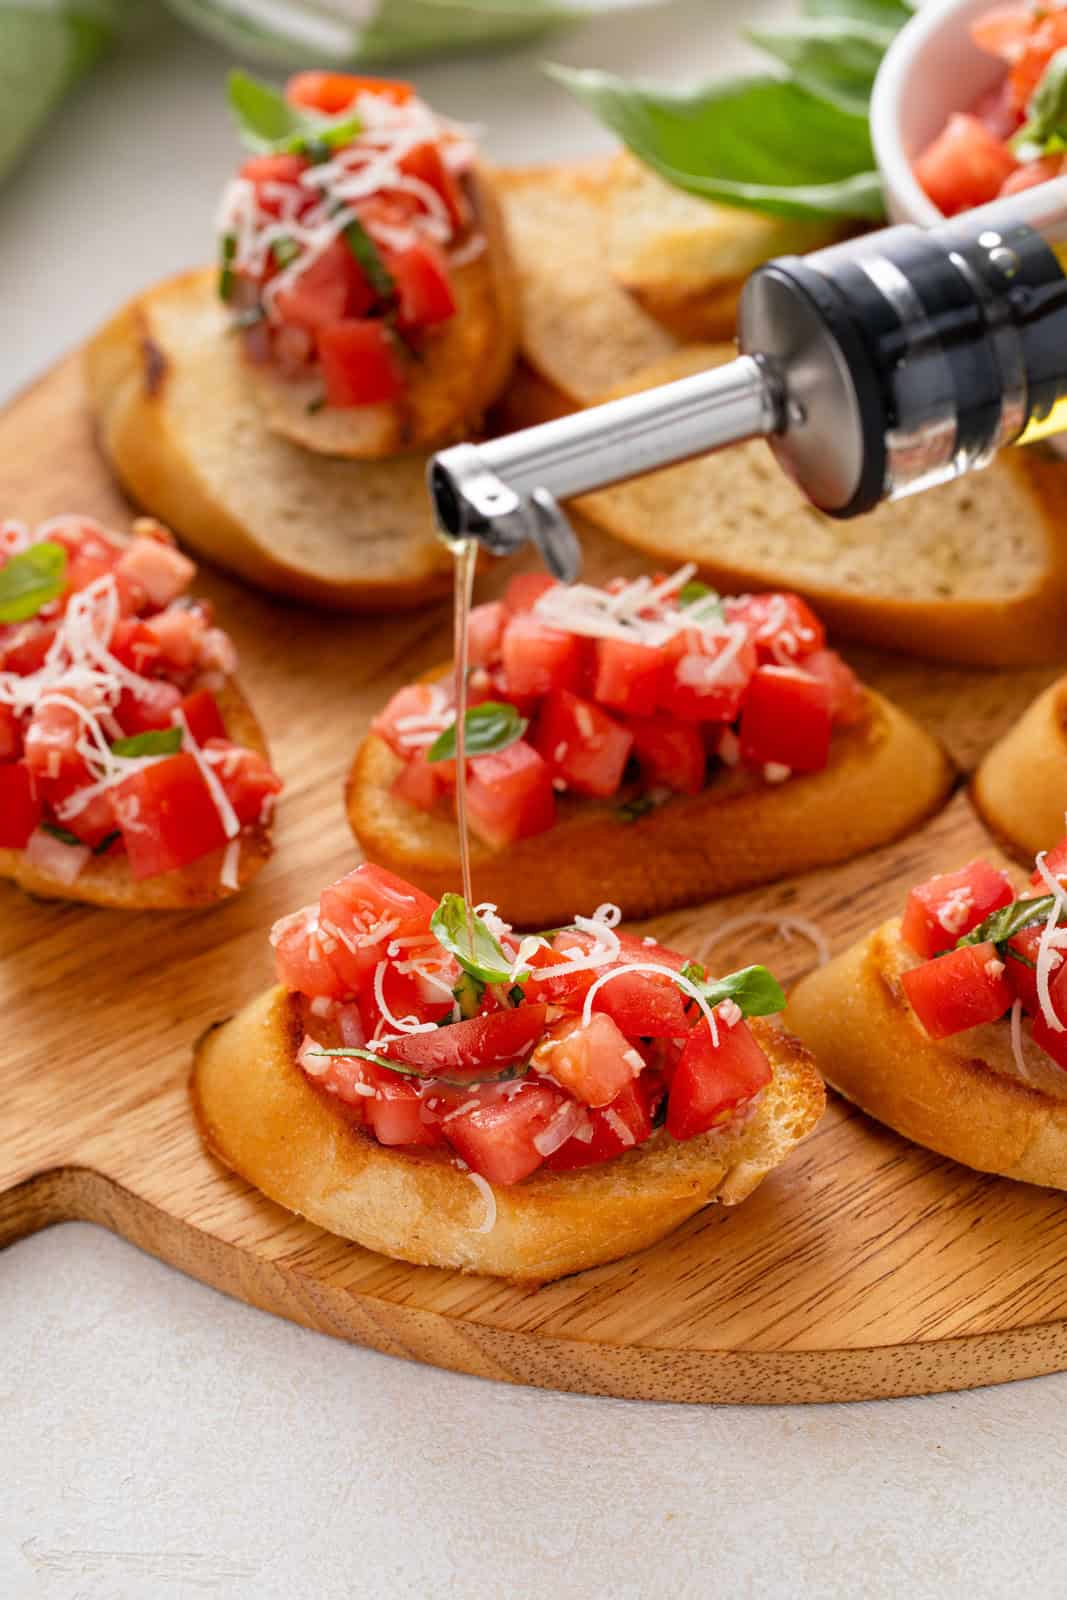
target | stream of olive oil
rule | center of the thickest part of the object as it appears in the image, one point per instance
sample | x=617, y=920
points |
x=465, y=553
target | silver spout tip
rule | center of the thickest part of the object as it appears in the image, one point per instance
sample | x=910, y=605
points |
x=472, y=502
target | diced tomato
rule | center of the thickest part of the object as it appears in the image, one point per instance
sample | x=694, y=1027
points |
x=1021, y=967
x=669, y=753
x=1003, y=31
x=270, y=170
x=332, y=92
x=332, y=288
x=167, y=816
x=526, y=588
x=414, y=711
x=92, y=822
x=160, y=570
x=136, y=645
x=510, y=795
x=965, y=165
x=423, y=287
x=616, y=1128
x=537, y=659
x=570, y=988
x=51, y=740
x=783, y=627
x=20, y=810
x=785, y=721
x=485, y=626
x=360, y=366
x=396, y=1114
x=203, y=717
x=363, y=911
x=90, y=556
x=406, y=994
x=634, y=949
x=593, y=1061
x=423, y=783
x=950, y=904
x=713, y=1081
x=1055, y=862
x=1048, y=35
x=10, y=734
x=627, y=676
x=1051, y=1040
x=479, y=1047
x=997, y=110
x=566, y=988
x=497, y=1138
x=848, y=698
x=26, y=647
x=1033, y=173
x=960, y=990
x=143, y=710
x=643, y=1004
x=248, y=779
x=708, y=676
x=426, y=164
x=586, y=747
x=301, y=962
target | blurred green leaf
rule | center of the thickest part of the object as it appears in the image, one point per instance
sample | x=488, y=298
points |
x=44, y=49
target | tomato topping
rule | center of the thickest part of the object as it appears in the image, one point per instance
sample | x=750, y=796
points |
x=167, y=816
x=10, y=734
x=203, y=717
x=423, y=287
x=509, y=795
x=479, y=1047
x=948, y=905
x=783, y=627
x=526, y=588
x=92, y=822
x=628, y=676
x=363, y=912
x=332, y=92
x=713, y=1081
x=301, y=962
x=785, y=721
x=148, y=708
x=965, y=165
x=593, y=1061
x=396, y=1115
x=707, y=676
x=1055, y=862
x=1048, y=36
x=537, y=659
x=582, y=744
x=414, y=711
x=1022, y=973
x=20, y=810
x=423, y=783
x=25, y=649
x=643, y=1004
x=669, y=753
x=1033, y=173
x=960, y=990
x=616, y=1128
x=485, y=627
x=360, y=366
x=426, y=164
x=497, y=1139
x=247, y=778
x=136, y=645
x=848, y=697
x=330, y=289
x=51, y=740
x=90, y=556
x=156, y=567
x=1051, y=1040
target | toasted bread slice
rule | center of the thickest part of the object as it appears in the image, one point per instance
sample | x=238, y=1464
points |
x=1020, y=789
x=179, y=422
x=963, y=1096
x=458, y=373
x=884, y=777
x=685, y=259
x=973, y=572
x=107, y=880
x=261, y=1116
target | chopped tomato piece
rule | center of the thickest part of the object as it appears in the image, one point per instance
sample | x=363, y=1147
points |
x=785, y=721
x=423, y=783
x=20, y=810
x=628, y=676
x=249, y=781
x=509, y=795
x=136, y=645
x=143, y=710
x=1003, y=31
x=1051, y=1040
x=713, y=1081
x=51, y=740
x=537, y=659
x=614, y=1128
x=708, y=677
x=332, y=288
x=167, y=816
x=497, y=1139
x=332, y=92
x=396, y=1114
x=580, y=742
x=360, y=366
x=90, y=556
x=25, y=648
x=269, y=173
x=644, y=1004
x=301, y=962
x=783, y=627
x=1021, y=967
x=566, y=988
x=202, y=714
x=1033, y=173
x=593, y=1061
x=669, y=753
x=426, y=163
x=406, y=994
x=414, y=712
x=364, y=911
x=423, y=288
x=848, y=697
x=526, y=588
x=92, y=822
x=965, y=165
x=485, y=627
x=1055, y=862
x=10, y=734
x=1048, y=35
x=960, y=990
x=160, y=570
x=948, y=905
x=479, y=1047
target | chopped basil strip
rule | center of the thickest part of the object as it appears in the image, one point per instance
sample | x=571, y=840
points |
x=366, y=253
x=159, y=742
x=269, y=125
x=284, y=251
x=1045, y=128
x=642, y=804
x=106, y=842
x=484, y=959
x=226, y=274
x=31, y=579
x=754, y=989
x=693, y=591
x=703, y=602
x=468, y=994
x=516, y=995
x=64, y=835
x=488, y=727
x=1001, y=925
x=518, y=1069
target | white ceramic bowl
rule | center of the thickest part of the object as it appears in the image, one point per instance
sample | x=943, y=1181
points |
x=930, y=70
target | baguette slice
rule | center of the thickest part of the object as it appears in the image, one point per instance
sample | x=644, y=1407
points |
x=107, y=880
x=1020, y=789
x=973, y=571
x=883, y=778
x=181, y=426
x=963, y=1096
x=259, y=1114
x=459, y=372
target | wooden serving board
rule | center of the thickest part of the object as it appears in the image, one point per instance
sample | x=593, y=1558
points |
x=865, y=1267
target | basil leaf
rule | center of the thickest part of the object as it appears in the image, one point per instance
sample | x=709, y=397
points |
x=517, y=1069
x=702, y=601
x=762, y=143
x=488, y=727
x=31, y=579
x=693, y=591
x=1000, y=925
x=64, y=835
x=1046, y=113
x=484, y=959
x=269, y=125
x=227, y=280
x=880, y=13
x=468, y=994
x=284, y=251
x=106, y=842
x=366, y=253
x=158, y=742
x=754, y=989
x=831, y=56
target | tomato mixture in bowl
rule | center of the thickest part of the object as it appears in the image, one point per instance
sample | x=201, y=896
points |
x=436, y=1028
x=112, y=740
x=630, y=693
x=1014, y=136
x=338, y=241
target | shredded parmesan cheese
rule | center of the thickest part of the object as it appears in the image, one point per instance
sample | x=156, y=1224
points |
x=488, y=1222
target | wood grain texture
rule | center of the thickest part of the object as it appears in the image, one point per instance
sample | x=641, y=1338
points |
x=864, y=1267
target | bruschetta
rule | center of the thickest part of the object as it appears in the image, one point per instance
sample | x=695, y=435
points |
x=648, y=739
x=1020, y=788
x=426, y=1083
x=365, y=267
x=132, y=770
x=950, y=1023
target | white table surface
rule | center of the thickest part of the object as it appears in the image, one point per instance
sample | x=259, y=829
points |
x=161, y=1442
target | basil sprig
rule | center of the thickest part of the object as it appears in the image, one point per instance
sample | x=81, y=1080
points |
x=367, y=255
x=517, y=1069
x=491, y=726
x=468, y=994
x=227, y=277
x=157, y=742
x=269, y=125
x=754, y=989
x=1002, y=925
x=1046, y=113
x=64, y=835
x=484, y=958
x=31, y=579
